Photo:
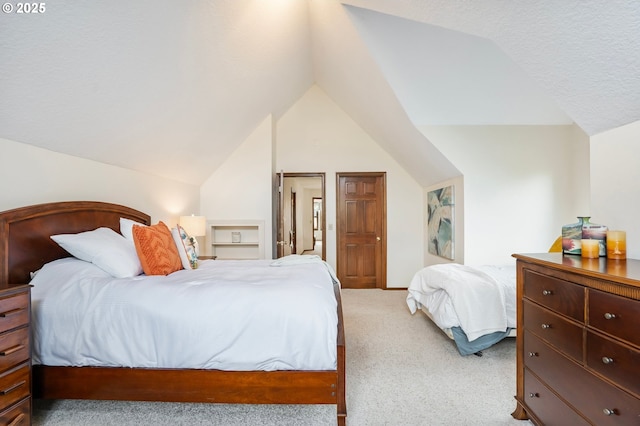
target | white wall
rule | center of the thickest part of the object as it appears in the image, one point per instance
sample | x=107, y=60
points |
x=615, y=182
x=521, y=184
x=315, y=135
x=30, y=175
x=241, y=188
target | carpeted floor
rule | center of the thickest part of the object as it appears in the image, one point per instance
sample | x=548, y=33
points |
x=401, y=370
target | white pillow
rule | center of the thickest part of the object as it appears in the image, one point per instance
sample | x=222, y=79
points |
x=126, y=228
x=188, y=253
x=105, y=248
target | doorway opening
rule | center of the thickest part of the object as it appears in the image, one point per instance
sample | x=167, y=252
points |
x=300, y=212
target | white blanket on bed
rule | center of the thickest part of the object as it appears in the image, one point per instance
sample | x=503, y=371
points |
x=480, y=300
x=299, y=259
x=227, y=315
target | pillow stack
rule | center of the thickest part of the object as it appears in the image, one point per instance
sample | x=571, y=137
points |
x=154, y=250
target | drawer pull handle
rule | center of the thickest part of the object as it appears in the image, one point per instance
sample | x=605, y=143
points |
x=545, y=326
x=607, y=360
x=532, y=354
x=11, y=350
x=12, y=388
x=609, y=316
x=547, y=292
x=18, y=420
x=11, y=312
x=533, y=395
x=609, y=412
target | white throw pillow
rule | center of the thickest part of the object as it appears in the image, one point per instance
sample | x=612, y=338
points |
x=126, y=228
x=105, y=248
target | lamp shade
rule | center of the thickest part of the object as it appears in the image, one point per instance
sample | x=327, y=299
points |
x=194, y=226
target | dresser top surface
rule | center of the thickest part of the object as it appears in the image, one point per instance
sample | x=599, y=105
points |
x=622, y=271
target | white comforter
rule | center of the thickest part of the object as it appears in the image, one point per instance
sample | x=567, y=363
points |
x=480, y=300
x=227, y=315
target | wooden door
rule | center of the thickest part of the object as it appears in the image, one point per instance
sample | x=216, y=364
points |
x=361, y=230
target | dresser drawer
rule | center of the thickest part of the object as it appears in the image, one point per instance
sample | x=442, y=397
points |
x=618, y=362
x=558, y=331
x=547, y=363
x=546, y=406
x=602, y=403
x=14, y=311
x=18, y=415
x=586, y=392
x=615, y=315
x=14, y=348
x=558, y=295
x=15, y=385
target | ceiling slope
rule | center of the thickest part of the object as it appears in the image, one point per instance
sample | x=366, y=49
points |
x=445, y=77
x=167, y=89
x=584, y=54
x=346, y=71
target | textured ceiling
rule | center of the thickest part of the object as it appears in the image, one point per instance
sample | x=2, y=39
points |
x=584, y=54
x=445, y=77
x=172, y=88
x=169, y=88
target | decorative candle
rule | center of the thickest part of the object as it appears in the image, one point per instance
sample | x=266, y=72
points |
x=616, y=245
x=591, y=249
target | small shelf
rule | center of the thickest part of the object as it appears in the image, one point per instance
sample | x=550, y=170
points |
x=243, y=239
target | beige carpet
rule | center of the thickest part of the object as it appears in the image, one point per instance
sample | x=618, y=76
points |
x=401, y=370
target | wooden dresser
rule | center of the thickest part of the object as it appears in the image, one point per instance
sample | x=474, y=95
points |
x=15, y=355
x=578, y=342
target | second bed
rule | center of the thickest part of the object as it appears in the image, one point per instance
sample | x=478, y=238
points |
x=474, y=306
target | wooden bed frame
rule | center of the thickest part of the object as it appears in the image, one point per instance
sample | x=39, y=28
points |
x=25, y=247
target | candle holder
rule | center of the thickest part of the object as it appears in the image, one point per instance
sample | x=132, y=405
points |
x=616, y=245
x=590, y=249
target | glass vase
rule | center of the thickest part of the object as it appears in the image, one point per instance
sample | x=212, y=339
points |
x=572, y=236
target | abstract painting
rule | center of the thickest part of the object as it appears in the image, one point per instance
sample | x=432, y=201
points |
x=440, y=205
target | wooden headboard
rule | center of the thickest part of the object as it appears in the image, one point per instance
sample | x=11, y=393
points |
x=25, y=243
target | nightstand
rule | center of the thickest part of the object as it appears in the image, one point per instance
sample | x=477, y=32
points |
x=15, y=354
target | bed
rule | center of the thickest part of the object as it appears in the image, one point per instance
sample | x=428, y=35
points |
x=27, y=247
x=474, y=306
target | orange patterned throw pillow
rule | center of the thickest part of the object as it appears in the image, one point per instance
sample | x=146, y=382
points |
x=156, y=249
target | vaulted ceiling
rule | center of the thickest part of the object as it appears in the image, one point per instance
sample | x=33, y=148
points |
x=172, y=88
